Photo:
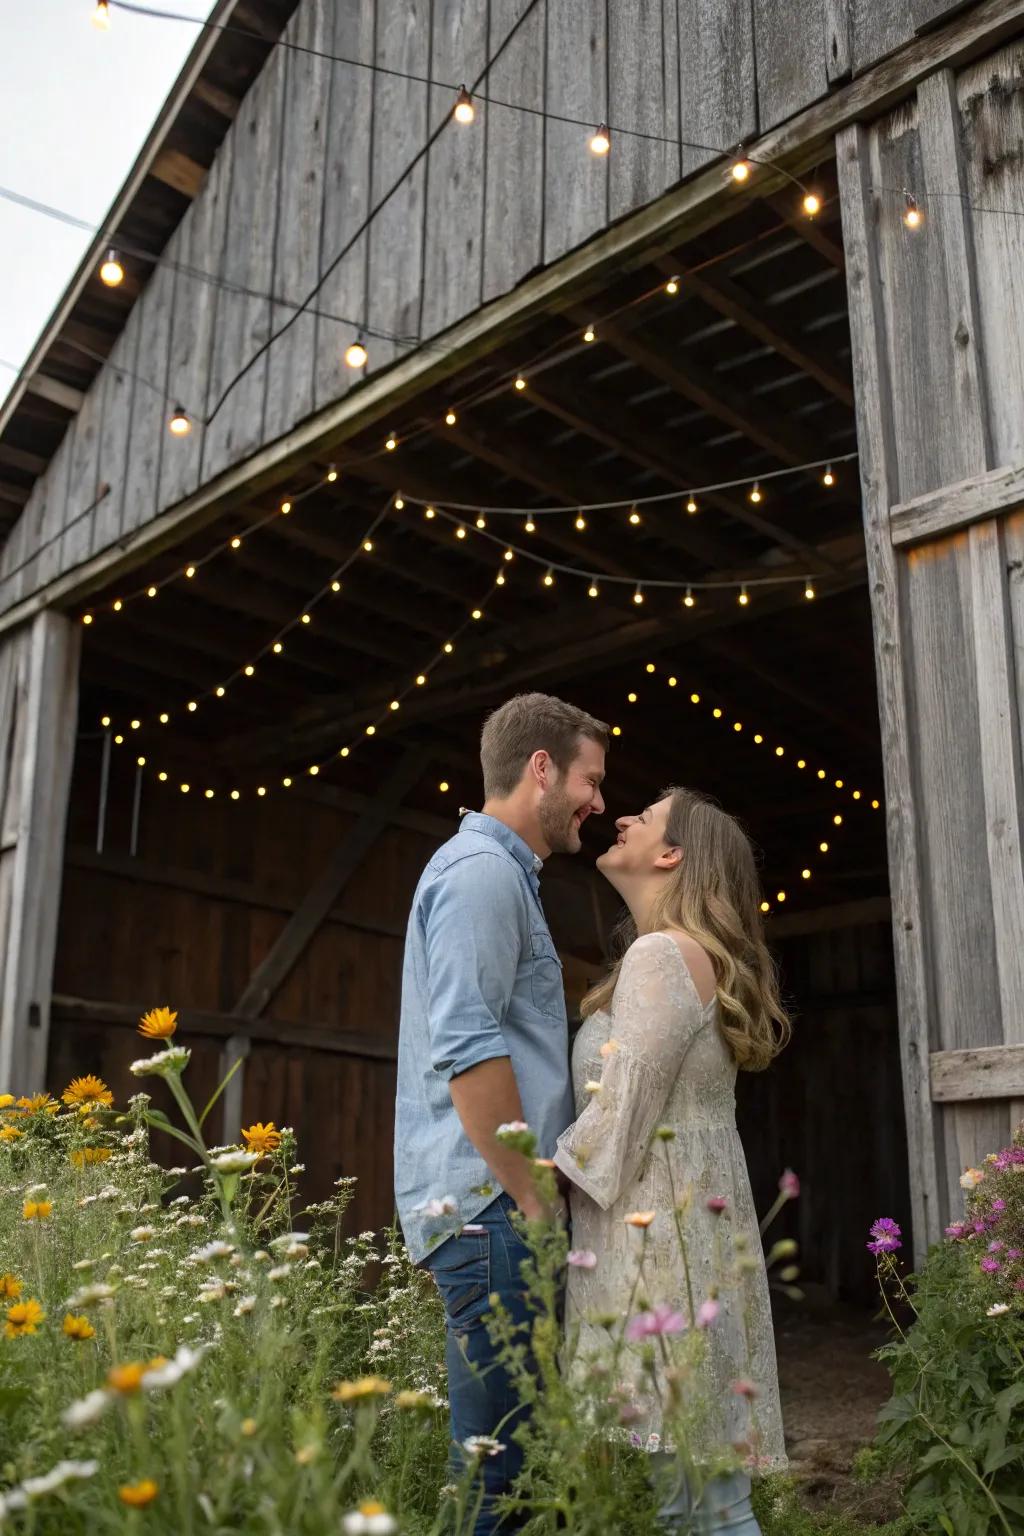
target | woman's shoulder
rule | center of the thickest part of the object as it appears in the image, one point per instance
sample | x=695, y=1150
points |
x=693, y=955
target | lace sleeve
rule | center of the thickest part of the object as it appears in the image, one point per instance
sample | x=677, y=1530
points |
x=656, y=1016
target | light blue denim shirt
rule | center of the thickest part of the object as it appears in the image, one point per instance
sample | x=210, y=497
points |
x=481, y=979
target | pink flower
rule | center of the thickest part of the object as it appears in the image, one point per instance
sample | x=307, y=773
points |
x=707, y=1313
x=716, y=1204
x=996, y=1247
x=660, y=1320
x=582, y=1258
x=789, y=1184
x=991, y=1266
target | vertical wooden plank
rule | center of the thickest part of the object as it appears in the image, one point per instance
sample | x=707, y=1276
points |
x=149, y=438
x=114, y=438
x=576, y=181
x=838, y=17
x=198, y=302
x=876, y=441
x=932, y=13
x=47, y=748
x=717, y=78
x=400, y=128
x=789, y=46
x=349, y=136
x=990, y=95
x=878, y=30
x=642, y=96
x=244, y=322
x=514, y=168
x=19, y=557
x=83, y=485
x=290, y=365
x=455, y=171
x=53, y=520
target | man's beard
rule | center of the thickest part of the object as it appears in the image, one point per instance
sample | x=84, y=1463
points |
x=556, y=822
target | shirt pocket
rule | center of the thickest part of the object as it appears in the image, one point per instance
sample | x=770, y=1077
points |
x=546, y=975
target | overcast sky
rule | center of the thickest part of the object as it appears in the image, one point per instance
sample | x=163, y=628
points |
x=75, y=107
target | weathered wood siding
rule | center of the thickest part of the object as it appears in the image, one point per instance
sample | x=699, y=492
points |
x=937, y=319
x=316, y=144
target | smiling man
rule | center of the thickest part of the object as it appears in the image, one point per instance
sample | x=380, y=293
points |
x=484, y=1041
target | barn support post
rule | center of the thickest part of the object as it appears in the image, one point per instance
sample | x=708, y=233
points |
x=38, y=720
x=937, y=332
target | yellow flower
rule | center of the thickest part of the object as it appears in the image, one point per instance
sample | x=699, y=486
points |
x=23, y=1317
x=39, y=1103
x=409, y=1399
x=262, y=1138
x=639, y=1218
x=249, y=1427
x=138, y=1495
x=36, y=1210
x=78, y=1327
x=88, y=1090
x=6, y=1100
x=81, y=1156
x=10, y=1133
x=365, y=1386
x=10, y=1287
x=158, y=1024
x=127, y=1379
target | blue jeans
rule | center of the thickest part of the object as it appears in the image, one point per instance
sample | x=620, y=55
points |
x=469, y=1269
x=724, y=1504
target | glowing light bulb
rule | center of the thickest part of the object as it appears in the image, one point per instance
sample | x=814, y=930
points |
x=448, y=647
x=344, y=752
x=332, y=475
x=673, y=681
x=510, y=554
x=638, y=595
x=520, y=382
x=631, y=698
x=737, y=726
x=876, y=805
x=616, y=730
x=368, y=546
x=828, y=478
x=261, y=791
x=236, y=543
x=371, y=730
x=314, y=769
x=717, y=714
x=119, y=741
x=164, y=719
x=691, y=505
x=755, y=493
x=549, y=579
x=192, y=706
x=581, y=523
x=105, y=722
x=101, y=16
x=151, y=591
x=634, y=517
x=766, y=906
x=250, y=670
x=421, y=680
x=689, y=601
x=740, y=170
x=812, y=204
x=209, y=794
x=780, y=751
x=286, y=507
x=743, y=598
x=601, y=141
x=391, y=443
x=235, y=795
x=190, y=571
x=481, y=521
x=464, y=111
x=460, y=532
x=111, y=270
x=86, y=618
x=450, y=418
x=162, y=777
x=395, y=704
x=590, y=334
x=335, y=586
x=823, y=847
x=530, y=525
x=429, y=513
x=809, y=590
x=221, y=690
x=780, y=896
x=443, y=786
x=694, y=698
x=801, y=763
x=912, y=216
x=117, y=605
x=650, y=667
x=672, y=286
x=356, y=355
x=286, y=783
x=184, y=789
x=477, y=613
x=839, y=784
x=593, y=590
x=307, y=618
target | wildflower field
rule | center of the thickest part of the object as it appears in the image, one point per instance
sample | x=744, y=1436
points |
x=191, y=1349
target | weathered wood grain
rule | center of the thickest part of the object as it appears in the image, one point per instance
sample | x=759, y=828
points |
x=83, y=482
x=790, y=49
x=932, y=13
x=717, y=78
x=643, y=95
x=878, y=31
x=114, y=438
x=243, y=321
x=956, y=506
x=453, y=227
x=575, y=181
x=149, y=438
x=349, y=138
x=837, y=16
x=994, y=1072
x=54, y=516
x=290, y=362
x=514, y=166
x=873, y=385
x=401, y=125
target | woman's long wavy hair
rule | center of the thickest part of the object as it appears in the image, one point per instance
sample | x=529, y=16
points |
x=714, y=896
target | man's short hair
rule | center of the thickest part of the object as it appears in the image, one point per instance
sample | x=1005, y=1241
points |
x=529, y=723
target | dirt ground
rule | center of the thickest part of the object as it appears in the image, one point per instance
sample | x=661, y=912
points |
x=831, y=1392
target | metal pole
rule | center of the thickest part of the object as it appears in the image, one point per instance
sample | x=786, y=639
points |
x=101, y=822
x=136, y=804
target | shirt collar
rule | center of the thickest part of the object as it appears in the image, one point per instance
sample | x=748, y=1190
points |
x=520, y=850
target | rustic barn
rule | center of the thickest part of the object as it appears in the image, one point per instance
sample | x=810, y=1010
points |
x=717, y=432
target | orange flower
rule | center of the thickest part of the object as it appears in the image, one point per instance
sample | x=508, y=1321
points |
x=127, y=1379
x=639, y=1218
x=23, y=1317
x=78, y=1327
x=82, y=1156
x=39, y=1103
x=262, y=1138
x=6, y=1100
x=36, y=1210
x=138, y=1495
x=10, y=1133
x=88, y=1091
x=10, y=1287
x=158, y=1024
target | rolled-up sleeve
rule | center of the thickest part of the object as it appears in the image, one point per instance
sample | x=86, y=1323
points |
x=473, y=926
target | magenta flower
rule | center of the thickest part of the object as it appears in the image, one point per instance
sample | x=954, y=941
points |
x=582, y=1258
x=707, y=1313
x=956, y=1230
x=886, y=1236
x=991, y=1266
x=996, y=1247
x=789, y=1184
x=999, y=1206
x=1013, y=1253
x=657, y=1321
x=716, y=1204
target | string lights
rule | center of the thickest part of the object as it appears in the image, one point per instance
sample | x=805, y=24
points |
x=101, y=16
x=356, y=355
x=601, y=140
x=179, y=423
x=464, y=111
x=111, y=270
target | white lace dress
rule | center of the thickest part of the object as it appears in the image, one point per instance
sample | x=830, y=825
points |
x=669, y=1066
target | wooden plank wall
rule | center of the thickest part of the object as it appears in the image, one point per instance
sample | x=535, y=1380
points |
x=937, y=319
x=316, y=143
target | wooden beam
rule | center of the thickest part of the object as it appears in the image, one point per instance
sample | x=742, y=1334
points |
x=990, y=1072
x=18, y=458
x=686, y=212
x=809, y=230
x=179, y=171
x=958, y=506
x=56, y=392
x=727, y=297
x=18, y=495
x=85, y=1012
